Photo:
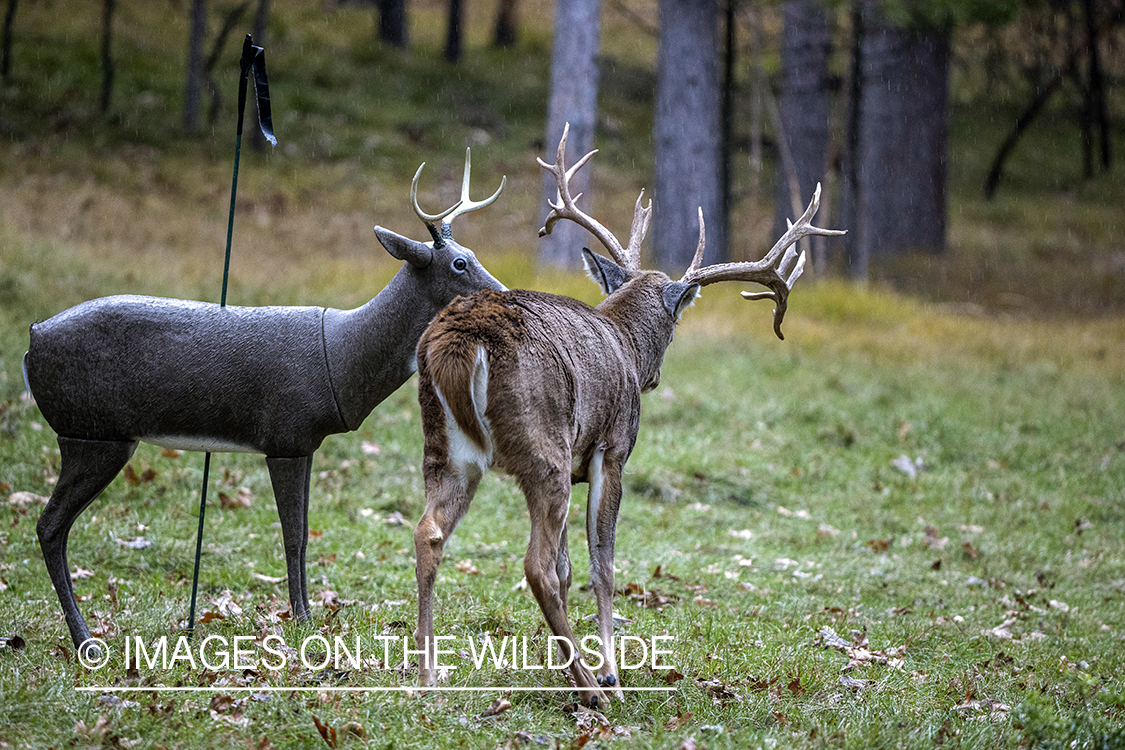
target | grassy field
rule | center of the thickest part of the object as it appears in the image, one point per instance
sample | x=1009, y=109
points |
x=902, y=526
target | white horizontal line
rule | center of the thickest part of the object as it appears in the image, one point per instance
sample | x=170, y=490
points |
x=361, y=689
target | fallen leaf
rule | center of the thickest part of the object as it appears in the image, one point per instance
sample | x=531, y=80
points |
x=673, y=675
x=743, y=534
x=326, y=732
x=679, y=720
x=1003, y=631
x=25, y=499
x=466, y=566
x=80, y=573
x=396, y=519
x=879, y=545
x=371, y=449
x=136, y=543
x=499, y=706
x=970, y=550
x=826, y=530
x=169, y=453
x=243, y=499
x=855, y=684
x=270, y=579
x=906, y=466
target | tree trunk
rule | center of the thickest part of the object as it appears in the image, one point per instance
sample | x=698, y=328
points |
x=1099, y=114
x=573, y=99
x=453, y=32
x=194, y=83
x=902, y=146
x=688, y=135
x=392, y=22
x=6, y=44
x=806, y=44
x=507, y=24
x=849, y=171
x=107, y=53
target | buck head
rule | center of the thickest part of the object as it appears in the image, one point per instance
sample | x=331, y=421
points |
x=650, y=302
x=442, y=266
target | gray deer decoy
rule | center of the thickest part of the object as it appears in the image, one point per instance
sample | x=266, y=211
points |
x=548, y=389
x=196, y=376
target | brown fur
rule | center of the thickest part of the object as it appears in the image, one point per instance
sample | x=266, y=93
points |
x=449, y=350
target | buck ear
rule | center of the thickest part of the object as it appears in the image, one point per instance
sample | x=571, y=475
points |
x=603, y=271
x=417, y=254
x=679, y=296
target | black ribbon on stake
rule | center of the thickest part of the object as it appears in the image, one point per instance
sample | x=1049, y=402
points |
x=253, y=61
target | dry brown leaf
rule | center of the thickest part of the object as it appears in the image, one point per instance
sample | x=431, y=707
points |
x=326, y=732
x=679, y=720
x=498, y=706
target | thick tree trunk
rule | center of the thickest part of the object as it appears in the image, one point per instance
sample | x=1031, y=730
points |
x=107, y=53
x=6, y=44
x=573, y=99
x=453, y=32
x=194, y=80
x=688, y=135
x=849, y=171
x=392, y=22
x=1096, y=99
x=804, y=100
x=902, y=143
x=507, y=24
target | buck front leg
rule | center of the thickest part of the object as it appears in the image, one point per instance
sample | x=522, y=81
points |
x=601, y=532
x=88, y=466
x=548, y=503
x=290, y=479
x=448, y=494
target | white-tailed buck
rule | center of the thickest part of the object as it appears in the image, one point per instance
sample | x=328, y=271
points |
x=196, y=376
x=548, y=389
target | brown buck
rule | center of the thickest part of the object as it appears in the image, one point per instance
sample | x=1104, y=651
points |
x=548, y=389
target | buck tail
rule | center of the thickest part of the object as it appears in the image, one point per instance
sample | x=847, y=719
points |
x=26, y=382
x=458, y=368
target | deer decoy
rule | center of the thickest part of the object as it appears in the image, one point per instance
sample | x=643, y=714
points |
x=548, y=389
x=196, y=376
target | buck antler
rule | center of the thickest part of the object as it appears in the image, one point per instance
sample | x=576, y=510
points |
x=461, y=207
x=565, y=207
x=772, y=271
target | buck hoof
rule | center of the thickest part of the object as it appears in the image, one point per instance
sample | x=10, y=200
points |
x=609, y=679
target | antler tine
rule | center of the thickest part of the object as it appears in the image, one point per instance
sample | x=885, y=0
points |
x=425, y=217
x=771, y=271
x=697, y=259
x=641, y=218
x=565, y=206
x=465, y=205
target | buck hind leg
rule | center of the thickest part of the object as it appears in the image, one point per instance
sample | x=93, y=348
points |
x=449, y=490
x=601, y=531
x=548, y=501
x=290, y=479
x=88, y=466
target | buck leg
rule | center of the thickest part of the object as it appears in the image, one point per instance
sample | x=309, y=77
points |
x=448, y=494
x=601, y=531
x=548, y=501
x=88, y=466
x=290, y=479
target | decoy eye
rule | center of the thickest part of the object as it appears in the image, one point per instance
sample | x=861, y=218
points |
x=459, y=265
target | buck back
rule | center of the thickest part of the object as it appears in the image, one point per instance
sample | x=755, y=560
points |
x=559, y=377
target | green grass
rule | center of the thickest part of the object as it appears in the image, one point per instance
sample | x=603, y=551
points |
x=789, y=444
